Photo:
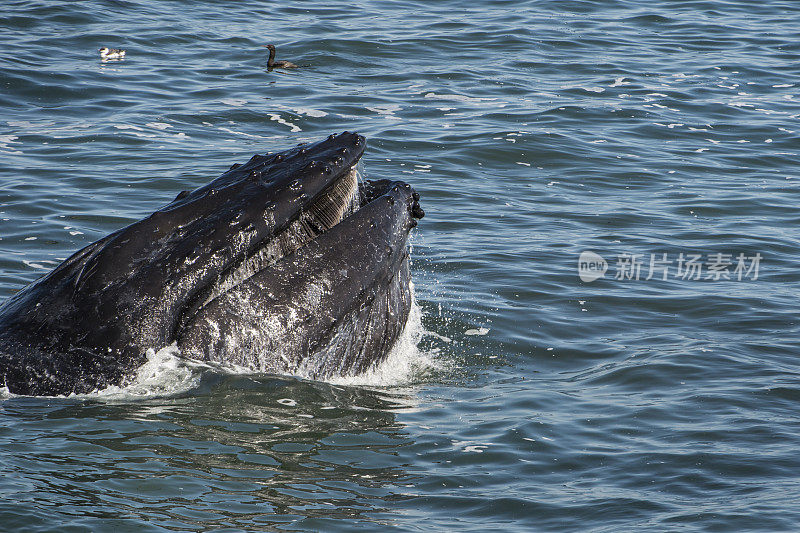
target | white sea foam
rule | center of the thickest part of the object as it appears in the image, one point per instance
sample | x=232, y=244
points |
x=316, y=113
x=37, y=266
x=164, y=374
x=277, y=118
x=134, y=130
x=243, y=134
x=388, y=109
x=4, y=144
x=459, y=98
x=234, y=102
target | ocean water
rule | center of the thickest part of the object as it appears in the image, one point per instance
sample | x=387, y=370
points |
x=653, y=386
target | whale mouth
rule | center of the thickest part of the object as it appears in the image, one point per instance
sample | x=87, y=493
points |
x=336, y=202
x=345, y=193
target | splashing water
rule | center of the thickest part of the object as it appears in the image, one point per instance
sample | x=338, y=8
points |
x=405, y=362
x=166, y=373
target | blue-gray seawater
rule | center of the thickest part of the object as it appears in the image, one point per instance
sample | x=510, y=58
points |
x=662, y=396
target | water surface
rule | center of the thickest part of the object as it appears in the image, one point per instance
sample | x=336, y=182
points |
x=534, y=131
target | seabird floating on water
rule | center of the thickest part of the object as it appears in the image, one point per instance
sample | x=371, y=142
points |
x=111, y=53
x=271, y=63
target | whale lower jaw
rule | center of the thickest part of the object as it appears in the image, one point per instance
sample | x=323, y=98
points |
x=373, y=329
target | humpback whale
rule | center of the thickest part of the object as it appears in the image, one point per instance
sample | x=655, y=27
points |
x=286, y=264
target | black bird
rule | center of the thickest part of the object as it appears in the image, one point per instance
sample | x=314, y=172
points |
x=271, y=63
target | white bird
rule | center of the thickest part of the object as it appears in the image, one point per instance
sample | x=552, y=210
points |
x=111, y=53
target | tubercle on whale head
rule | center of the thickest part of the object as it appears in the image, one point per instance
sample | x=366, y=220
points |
x=372, y=189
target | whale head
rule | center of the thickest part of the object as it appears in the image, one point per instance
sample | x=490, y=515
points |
x=274, y=265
